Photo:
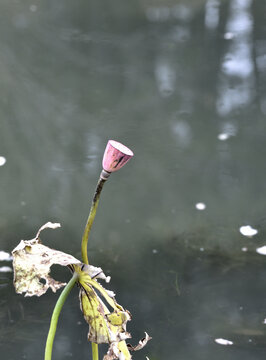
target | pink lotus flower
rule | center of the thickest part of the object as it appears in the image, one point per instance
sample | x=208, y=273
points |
x=116, y=155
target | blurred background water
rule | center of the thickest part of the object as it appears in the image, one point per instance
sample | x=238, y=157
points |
x=182, y=83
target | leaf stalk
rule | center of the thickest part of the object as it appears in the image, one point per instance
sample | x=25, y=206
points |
x=54, y=320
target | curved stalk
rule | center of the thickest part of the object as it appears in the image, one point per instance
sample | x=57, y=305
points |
x=85, y=238
x=54, y=320
x=94, y=205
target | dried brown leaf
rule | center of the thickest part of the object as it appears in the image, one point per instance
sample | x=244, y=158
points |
x=141, y=343
x=105, y=326
x=32, y=262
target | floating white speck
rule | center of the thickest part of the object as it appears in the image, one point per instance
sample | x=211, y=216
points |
x=5, y=256
x=154, y=251
x=223, y=136
x=2, y=160
x=264, y=321
x=261, y=250
x=229, y=35
x=223, y=341
x=248, y=231
x=200, y=206
x=244, y=249
x=202, y=249
x=5, y=269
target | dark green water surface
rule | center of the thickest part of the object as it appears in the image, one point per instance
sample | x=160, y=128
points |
x=182, y=83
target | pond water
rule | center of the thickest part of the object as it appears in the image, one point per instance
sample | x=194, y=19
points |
x=182, y=83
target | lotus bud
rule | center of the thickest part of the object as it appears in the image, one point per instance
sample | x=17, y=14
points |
x=116, y=155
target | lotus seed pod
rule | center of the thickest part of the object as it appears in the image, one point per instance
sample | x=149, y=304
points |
x=116, y=155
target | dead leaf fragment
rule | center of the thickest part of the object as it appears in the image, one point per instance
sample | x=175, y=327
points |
x=141, y=343
x=105, y=326
x=32, y=262
x=120, y=350
x=50, y=225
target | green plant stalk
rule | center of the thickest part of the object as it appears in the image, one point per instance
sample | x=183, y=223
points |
x=84, y=242
x=94, y=206
x=57, y=309
x=94, y=348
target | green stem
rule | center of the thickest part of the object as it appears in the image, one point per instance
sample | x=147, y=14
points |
x=95, y=354
x=57, y=309
x=94, y=205
x=85, y=238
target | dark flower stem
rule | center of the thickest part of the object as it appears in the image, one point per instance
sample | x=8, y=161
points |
x=94, y=205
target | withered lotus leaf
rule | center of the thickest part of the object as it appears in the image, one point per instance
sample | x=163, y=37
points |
x=105, y=326
x=32, y=262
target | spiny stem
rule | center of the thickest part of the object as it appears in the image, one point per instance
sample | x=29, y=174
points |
x=94, y=205
x=57, y=309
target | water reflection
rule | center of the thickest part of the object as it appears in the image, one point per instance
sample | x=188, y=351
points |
x=163, y=13
x=165, y=76
x=4, y=269
x=238, y=61
x=5, y=256
x=2, y=160
x=212, y=14
x=183, y=85
x=228, y=129
x=183, y=133
x=223, y=341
